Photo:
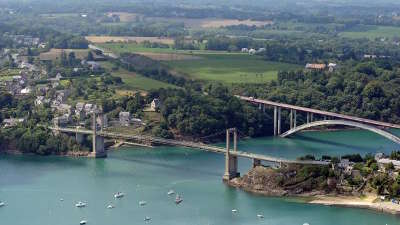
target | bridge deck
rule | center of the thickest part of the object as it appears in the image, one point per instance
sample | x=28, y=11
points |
x=320, y=112
x=189, y=144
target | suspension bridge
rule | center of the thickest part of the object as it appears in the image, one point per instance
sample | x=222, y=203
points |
x=231, y=155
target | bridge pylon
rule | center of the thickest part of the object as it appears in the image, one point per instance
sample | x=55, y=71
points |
x=98, y=150
x=231, y=161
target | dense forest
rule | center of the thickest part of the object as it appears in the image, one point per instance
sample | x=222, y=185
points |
x=191, y=113
x=368, y=89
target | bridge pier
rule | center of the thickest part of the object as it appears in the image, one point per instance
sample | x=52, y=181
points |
x=295, y=119
x=79, y=138
x=291, y=118
x=231, y=162
x=275, y=119
x=279, y=120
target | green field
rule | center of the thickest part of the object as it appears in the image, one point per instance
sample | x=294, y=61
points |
x=133, y=81
x=373, y=33
x=132, y=47
x=230, y=68
x=213, y=66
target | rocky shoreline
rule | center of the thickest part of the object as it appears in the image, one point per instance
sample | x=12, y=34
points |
x=268, y=182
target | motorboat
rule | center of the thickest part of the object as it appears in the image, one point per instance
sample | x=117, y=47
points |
x=260, y=216
x=142, y=203
x=178, y=200
x=2, y=204
x=234, y=210
x=147, y=219
x=61, y=199
x=309, y=224
x=83, y=222
x=110, y=207
x=119, y=195
x=80, y=204
x=171, y=192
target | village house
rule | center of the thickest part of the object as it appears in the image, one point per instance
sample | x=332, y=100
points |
x=252, y=51
x=39, y=100
x=102, y=120
x=90, y=108
x=124, y=118
x=26, y=91
x=346, y=166
x=61, y=121
x=42, y=89
x=42, y=45
x=332, y=67
x=315, y=66
x=366, y=56
x=383, y=160
x=93, y=65
x=155, y=104
x=12, y=122
x=245, y=50
x=261, y=50
x=64, y=109
x=62, y=95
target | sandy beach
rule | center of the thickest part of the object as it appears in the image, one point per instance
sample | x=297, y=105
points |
x=369, y=201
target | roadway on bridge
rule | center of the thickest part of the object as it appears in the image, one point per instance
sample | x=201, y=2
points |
x=195, y=145
x=318, y=112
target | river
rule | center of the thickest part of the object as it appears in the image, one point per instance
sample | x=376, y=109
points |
x=32, y=186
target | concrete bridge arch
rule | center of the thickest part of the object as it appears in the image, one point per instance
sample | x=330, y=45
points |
x=376, y=130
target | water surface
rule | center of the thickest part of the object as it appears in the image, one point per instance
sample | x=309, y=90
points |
x=32, y=186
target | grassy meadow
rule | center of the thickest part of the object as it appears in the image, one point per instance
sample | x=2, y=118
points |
x=373, y=33
x=133, y=81
x=209, y=65
x=230, y=68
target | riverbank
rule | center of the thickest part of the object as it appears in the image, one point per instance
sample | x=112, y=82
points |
x=370, y=201
x=14, y=151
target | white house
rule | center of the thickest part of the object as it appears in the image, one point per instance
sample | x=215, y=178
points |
x=332, y=67
x=252, y=51
x=155, y=104
x=26, y=91
x=124, y=118
x=12, y=122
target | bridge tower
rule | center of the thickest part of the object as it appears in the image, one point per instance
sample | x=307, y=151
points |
x=98, y=150
x=231, y=162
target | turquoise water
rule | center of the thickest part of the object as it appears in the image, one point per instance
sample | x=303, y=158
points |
x=32, y=186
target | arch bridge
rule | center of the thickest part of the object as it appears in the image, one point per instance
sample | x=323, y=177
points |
x=377, y=127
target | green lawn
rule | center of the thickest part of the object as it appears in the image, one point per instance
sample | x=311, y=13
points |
x=374, y=32
x=230, y=68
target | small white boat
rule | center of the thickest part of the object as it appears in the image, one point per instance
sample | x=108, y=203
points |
x=61, y=199
x=234, y=210
x=80, y=204
x=110, y=207
x=83, y=222
x=147, y=219
x=2, y=204
x=142, y=203
x=171, y=192
x=260, y=216
x=309, y=224
x=178, y=199
x=119, y=195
